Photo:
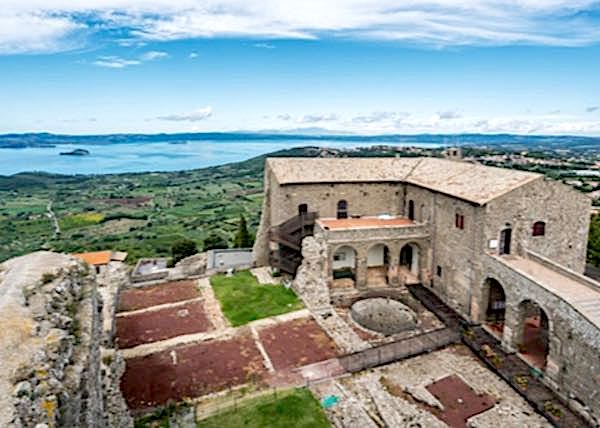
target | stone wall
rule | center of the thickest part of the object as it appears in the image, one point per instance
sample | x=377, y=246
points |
x=565, y=211
x=364, y=199
x=573, y=367
x=56, y=370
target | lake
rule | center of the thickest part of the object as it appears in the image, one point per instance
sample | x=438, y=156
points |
x=155, y=156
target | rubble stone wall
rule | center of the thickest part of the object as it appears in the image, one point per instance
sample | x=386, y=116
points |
x=60, y=383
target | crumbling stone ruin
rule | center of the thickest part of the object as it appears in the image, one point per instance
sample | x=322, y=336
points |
x=52, y=372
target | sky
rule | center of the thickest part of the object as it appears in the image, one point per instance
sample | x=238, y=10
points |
x=358, y=66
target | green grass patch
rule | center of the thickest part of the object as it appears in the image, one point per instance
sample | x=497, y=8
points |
x=243, y=299
x=296, y=408
x=75, y=221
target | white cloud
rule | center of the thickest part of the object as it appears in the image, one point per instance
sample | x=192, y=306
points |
x=193, y=55
x=194, y=116
x=592, y=109
x=42, y=25
x=30, y=32
x=264, y=45
x=387, y=122
x=449, y=115
x=315, y=118
x=153, y=55
x=115, y=62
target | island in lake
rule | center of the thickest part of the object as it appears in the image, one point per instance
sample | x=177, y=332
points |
x=76, y=152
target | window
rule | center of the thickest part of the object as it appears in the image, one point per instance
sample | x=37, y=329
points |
x=539, y=228
x=342, y=209
x=302, y=209
x=459, y=221
x=439, y=271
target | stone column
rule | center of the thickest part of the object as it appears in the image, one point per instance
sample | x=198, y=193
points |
x=514, y=320
x=361, y=271
x=393, y=270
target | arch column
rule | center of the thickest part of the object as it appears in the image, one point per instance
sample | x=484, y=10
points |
x=361, y=268
x=394, y=266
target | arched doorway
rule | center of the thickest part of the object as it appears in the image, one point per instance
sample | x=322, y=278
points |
x=344, y=267
x=534, y=344
x=342, y=209
x=496, y=306
x=377, y=265
x=411, y=210
x=409, y=263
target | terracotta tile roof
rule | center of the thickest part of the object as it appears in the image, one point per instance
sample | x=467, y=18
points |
x=95, y=258
x=364, y=222
x=468, y=181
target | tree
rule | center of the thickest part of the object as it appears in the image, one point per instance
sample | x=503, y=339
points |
x=593, y=251
x=242, y=239
x=182, y=249
x=215, y=242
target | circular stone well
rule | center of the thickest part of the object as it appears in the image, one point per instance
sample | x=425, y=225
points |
x=386, y=316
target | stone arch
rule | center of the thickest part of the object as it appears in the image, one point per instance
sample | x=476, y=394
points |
x=343, y=266
x=378, y=262
x=495, y=305
x=535, y=330
x=409, y=257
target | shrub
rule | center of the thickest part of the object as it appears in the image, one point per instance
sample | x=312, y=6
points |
x=182, y=249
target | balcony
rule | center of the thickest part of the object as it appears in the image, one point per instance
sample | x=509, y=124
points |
x=371, y=228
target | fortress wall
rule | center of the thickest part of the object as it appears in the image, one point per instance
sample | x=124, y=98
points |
x=56, y=374
x=364, y=199
x=565, y=211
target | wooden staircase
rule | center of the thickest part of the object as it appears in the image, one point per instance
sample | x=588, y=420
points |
x=289, y=236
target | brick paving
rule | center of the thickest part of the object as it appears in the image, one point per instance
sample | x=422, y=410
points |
x=170, y=292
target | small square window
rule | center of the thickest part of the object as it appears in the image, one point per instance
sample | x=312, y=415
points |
x=339, y=257
x=439, y=271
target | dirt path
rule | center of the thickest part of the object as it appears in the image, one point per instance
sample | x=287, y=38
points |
x=53, y=219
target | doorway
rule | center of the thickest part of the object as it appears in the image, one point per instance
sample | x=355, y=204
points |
x=505, y=241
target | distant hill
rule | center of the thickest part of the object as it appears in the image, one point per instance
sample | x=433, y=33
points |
x=310, y=134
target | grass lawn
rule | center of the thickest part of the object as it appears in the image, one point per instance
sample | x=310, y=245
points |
x=243, y=299
x=296, y=408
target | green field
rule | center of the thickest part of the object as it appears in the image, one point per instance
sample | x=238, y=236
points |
x=143, y=214
x=297, y=408
x=243, y=299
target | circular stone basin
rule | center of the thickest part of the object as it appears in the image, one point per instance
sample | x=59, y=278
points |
x=383, y=315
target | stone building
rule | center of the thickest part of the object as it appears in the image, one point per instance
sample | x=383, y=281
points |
x=504, y=248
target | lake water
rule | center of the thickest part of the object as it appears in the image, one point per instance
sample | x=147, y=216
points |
x=156, y=156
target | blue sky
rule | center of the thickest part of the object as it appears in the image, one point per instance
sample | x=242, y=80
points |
x=438, y=66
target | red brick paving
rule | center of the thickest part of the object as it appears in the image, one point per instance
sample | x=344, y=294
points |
x=151, y=326
x=200, y=369
x=459, y=400
x=296, y=343
x=168, y=292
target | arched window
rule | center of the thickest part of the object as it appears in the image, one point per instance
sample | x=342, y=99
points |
x=539, y=228
x=411, y=210
x=342, y=209
x=302, y=209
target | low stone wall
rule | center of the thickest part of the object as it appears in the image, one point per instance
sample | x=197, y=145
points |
x=594, y=285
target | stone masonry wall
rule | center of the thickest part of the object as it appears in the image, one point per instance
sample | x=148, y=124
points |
x=565, y=211
x=573, y=365
x=60, y=382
